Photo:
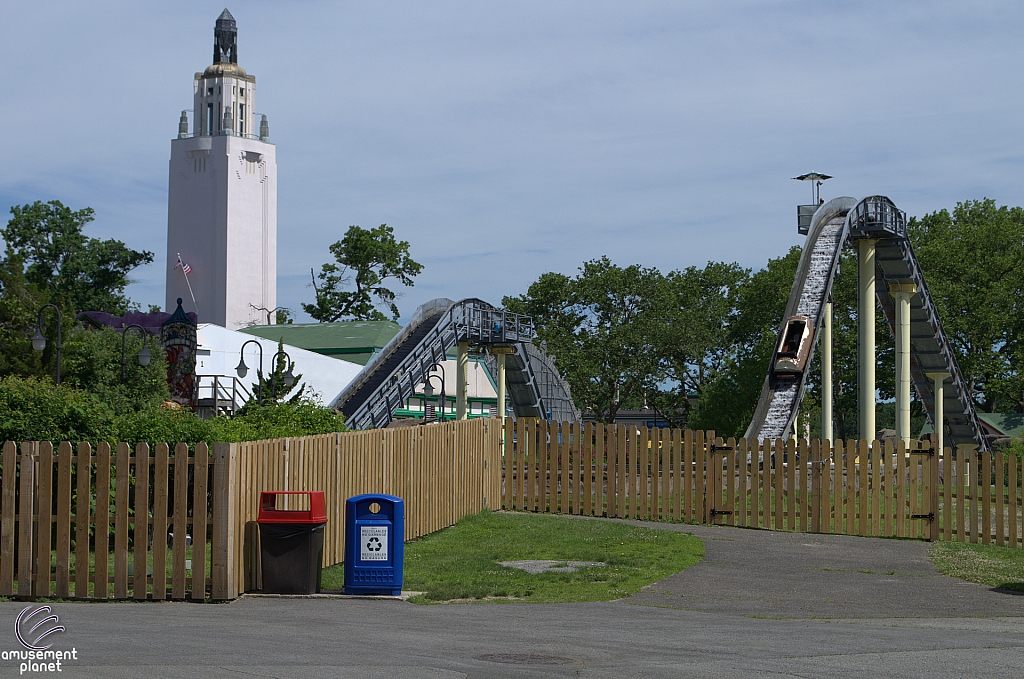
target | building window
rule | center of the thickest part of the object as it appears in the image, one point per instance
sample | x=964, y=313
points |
x=209, y=119
x=241, y=119
x=209, y=91
x=241, y=92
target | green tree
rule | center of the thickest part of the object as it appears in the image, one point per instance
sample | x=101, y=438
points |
x=367, y=259
x=694, y=338
x=20, y=302
x=82, y=273
x=275, y=390
x=601, y=327
x=728, y=402
x=973, y=261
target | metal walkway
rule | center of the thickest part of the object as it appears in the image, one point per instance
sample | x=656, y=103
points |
x=833, y=227
x=388, y=380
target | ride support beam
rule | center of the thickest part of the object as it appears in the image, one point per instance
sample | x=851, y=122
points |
x=866, y=338
x=461, y=380
x=901, y=294
x=826, y=372
x=938, y=416
x=499, y=355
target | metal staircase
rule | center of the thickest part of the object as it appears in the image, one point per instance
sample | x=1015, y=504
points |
x=389, y=379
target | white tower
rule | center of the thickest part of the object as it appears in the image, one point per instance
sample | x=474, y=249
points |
x=222, y=196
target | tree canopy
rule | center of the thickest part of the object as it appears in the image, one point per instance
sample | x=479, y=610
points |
x=367, y=260
x=75, y=271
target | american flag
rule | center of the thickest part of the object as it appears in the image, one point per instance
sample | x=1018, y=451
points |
x=185, y=268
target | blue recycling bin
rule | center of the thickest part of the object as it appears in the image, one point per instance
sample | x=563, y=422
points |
x=374, y=544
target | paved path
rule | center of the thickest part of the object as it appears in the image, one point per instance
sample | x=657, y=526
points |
x=680, y=627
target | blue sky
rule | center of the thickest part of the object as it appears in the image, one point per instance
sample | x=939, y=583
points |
x=504, y=140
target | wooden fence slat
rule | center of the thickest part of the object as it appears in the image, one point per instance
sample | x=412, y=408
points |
x=83, y=469
x=121, y=474
x=986, y=498
x=1000, y=499
x=63, y=542
x=789, y=486
x=1012, y=501
x=7, y=525
x=44, y=522
x=140, y=558
x=180, y=517
x=101, y=550
x=26, y=502
x=160, y=471
x=201, y=471
x=590, y=468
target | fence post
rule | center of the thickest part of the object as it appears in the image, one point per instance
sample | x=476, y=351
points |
x=708, y=479
x=222, y=564
x=933, y=492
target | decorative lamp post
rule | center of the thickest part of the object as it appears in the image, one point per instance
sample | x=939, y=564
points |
x=144, y=356
x=242, y=369
x=428, y=390
x=39, y=340
x=288, y=378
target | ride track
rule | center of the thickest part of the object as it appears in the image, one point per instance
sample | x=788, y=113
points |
x=835, y=225
x=535, y=388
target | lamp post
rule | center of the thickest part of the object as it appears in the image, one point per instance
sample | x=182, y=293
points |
x=288, y=379
x=39, y=340
x=242, y=369
x=428, y=389
x=144, y=356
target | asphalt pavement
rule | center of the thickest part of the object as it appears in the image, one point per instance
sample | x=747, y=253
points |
x=760, y=604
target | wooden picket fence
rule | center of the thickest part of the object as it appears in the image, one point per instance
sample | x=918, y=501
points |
x=70, y=505
x=853, y=487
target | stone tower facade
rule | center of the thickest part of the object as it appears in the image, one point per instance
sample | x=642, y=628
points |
x=222, y=196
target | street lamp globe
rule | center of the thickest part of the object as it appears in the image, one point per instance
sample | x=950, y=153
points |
x=145, y=357
x=38, y=341
x=242, y=369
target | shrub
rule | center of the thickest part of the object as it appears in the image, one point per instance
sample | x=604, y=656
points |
x=32, y=409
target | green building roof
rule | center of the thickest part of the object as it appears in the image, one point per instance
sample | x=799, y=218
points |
x=353, y=341
x=999, y=424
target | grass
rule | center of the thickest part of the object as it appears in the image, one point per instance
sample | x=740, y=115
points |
x=1000, y=567
x=462, y=562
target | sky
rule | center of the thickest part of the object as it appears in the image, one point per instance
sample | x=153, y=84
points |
x=504, y=140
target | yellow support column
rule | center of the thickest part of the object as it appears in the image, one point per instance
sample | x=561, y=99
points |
x=901, y=295
x=499, y=354
x=461, y=380
x=866, y=338
x=937, y=416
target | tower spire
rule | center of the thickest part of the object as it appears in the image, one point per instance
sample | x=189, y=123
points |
x=225, y=39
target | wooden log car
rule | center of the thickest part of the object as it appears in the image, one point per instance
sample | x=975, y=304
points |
x=794, y=348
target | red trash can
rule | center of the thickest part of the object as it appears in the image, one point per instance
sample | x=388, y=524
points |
x=292, y=541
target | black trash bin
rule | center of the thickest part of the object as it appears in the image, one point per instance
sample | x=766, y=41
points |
x=292, y=541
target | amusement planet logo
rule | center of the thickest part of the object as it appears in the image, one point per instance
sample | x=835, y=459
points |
x=34, y=627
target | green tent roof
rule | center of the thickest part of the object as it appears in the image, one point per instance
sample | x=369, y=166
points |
x=354, y=341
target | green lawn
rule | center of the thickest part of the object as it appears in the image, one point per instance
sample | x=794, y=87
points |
x=462, y=562
x=1001, y=567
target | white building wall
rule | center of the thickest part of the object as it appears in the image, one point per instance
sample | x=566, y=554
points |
x=222, y=218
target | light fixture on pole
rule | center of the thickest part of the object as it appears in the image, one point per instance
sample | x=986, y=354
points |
x=242, y=369
x=288, y=379
x=428, y=389
x=144, y=356
x=39, y=340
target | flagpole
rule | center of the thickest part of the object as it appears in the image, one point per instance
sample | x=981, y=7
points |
x=182, y=266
